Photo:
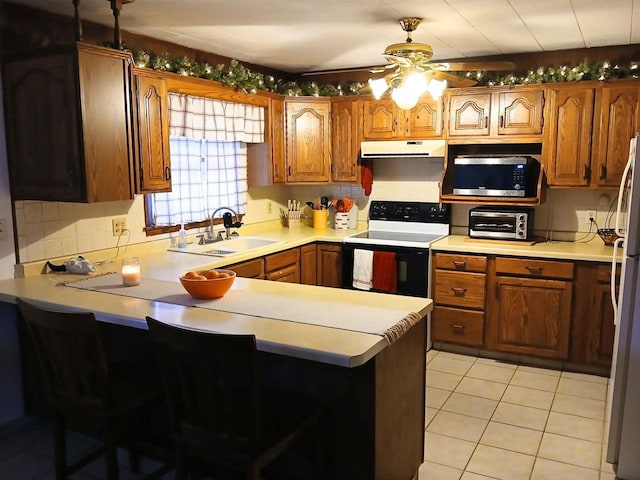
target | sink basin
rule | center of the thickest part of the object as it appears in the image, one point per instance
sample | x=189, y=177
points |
x=226, y=247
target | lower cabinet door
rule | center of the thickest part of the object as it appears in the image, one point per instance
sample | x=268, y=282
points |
x=530, y=316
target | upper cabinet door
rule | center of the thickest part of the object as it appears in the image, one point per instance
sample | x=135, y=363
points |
x=380, y=120
x=619, y=121
x=153, y=157
x=520, y=112
x=469, y=114
x=346, y=122
x=74, y=143
x=424, y=120
x=276, y=126
x=308, y=140
x=566, y=150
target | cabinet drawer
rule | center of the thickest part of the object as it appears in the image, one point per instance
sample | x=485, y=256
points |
x=463, y=263
x=464, y=327
x=282, y=259
x=289, y=274
x=604, y=273
x=532, y=267
x=460, y=289
x=249, y=269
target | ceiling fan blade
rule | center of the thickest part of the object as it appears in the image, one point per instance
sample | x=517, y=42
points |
x=453, y=81
x=345, y=70
x=485, y=66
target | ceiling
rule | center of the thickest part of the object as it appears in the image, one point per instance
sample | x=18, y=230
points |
x=311, y=35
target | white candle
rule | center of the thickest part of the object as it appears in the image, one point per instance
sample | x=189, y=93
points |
x=131, y=272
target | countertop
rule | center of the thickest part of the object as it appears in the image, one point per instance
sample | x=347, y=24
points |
x=312, y=342
x=593, y=251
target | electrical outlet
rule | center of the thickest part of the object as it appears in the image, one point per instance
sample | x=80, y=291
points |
x=591, y=214
x=269, y=206
x=118, y=226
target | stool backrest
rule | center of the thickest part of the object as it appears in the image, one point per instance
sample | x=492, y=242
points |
x=71, y=355
x=211, y=385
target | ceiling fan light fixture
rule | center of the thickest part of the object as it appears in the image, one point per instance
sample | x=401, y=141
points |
x=416, y=82
x=405, y=97
x=378, y=87
x=436, y=88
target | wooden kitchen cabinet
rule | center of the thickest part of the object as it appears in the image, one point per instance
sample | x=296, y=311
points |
x=329, y=265
x=459, y=286
x=153, y=160
x=250, y=269
x=75, y=143
x=566, y=151
x=593, y=331
x=346, y=124
x=308, y=260
x=276, y=129
x=308, y=140
x=616, y=120
x=283, y=266
x=530, y=308
x=496, y=112
x=384, y=120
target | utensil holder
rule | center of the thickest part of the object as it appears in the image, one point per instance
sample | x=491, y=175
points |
x=320, y=219
x=342, y=221
x=293, y=223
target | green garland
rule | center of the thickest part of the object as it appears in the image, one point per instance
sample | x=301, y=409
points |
x=237, y=75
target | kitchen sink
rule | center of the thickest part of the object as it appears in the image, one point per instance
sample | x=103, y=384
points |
x=226, y=247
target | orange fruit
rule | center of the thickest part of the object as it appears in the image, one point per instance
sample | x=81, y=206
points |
x=223, y=275
x=211, y=274
x=191, y=275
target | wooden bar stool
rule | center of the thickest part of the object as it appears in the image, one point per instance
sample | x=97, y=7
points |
x=83, y=387
x=218, y=412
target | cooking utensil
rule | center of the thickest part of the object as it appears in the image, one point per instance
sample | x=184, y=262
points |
x=324, y=201
x=311, y=205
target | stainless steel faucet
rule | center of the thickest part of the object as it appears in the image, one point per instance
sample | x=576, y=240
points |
x=227, y=220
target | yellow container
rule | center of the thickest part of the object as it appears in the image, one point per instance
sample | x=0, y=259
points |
x=320, y=219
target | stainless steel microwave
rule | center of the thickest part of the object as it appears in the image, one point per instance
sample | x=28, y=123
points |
x=495, y=176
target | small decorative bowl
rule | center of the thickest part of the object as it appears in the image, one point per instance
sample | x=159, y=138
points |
x=608, y=236
x=208, y=288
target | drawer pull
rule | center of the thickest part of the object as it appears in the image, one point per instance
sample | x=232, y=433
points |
x=460, y=264
x=533, y=269
x=458, y=290
x=456, y=326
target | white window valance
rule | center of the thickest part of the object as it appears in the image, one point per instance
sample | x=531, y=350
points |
x=210, y=119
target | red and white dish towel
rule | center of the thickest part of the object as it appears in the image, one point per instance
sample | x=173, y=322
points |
x=362, y=269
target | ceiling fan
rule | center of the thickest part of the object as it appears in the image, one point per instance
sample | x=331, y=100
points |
x=411, y=71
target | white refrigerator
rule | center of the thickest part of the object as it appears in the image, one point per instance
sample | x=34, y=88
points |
x=623, y=398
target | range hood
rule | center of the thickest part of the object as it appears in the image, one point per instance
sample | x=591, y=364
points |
x=403, y=149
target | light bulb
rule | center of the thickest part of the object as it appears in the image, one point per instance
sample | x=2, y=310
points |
x=436, y=88
x=404, y=97
x=378, y=87
x=415, y=82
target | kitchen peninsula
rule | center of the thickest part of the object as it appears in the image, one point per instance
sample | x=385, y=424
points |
x=371, y=384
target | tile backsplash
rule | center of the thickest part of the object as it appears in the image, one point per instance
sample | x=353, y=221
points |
x=55, y=229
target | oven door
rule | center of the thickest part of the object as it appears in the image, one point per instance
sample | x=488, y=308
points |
x=412, y=265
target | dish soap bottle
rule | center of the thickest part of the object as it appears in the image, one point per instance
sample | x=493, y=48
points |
x=182, y=237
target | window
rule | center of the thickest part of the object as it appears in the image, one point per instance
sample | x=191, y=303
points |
x=208, y=148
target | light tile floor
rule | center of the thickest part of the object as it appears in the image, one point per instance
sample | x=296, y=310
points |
x=487, y=419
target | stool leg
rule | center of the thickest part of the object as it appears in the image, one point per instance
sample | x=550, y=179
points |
x=111, y=453
x=59, y=447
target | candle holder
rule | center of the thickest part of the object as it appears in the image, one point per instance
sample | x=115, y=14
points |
x=131, y=271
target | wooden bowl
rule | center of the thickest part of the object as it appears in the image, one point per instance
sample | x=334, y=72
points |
x=208, y=288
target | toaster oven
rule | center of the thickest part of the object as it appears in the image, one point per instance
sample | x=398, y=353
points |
x=501, y=223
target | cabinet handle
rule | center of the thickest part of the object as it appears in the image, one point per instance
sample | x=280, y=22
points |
x=587, y=172
x=460, y=264
x=456, y=326
x=353, y=170
x=289, y=170
x=497, y=289
x=501, y=121
x=167, y=173
x=458, y=290
x=534, y=269
x=486, y=121
x=603, y=172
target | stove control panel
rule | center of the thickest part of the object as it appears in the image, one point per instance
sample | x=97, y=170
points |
x=425, y=212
